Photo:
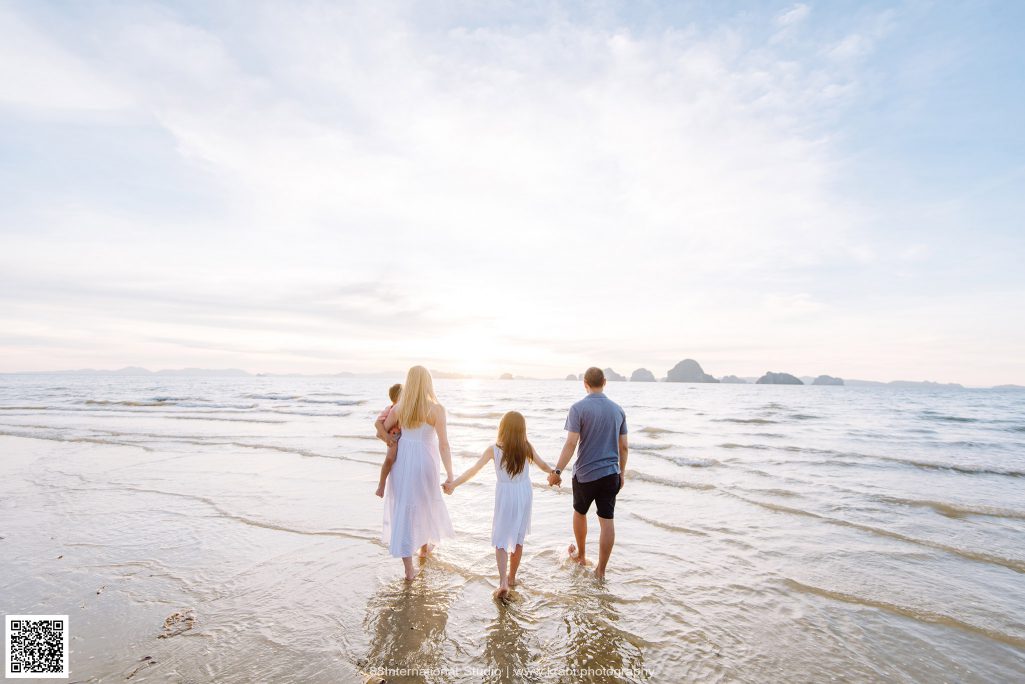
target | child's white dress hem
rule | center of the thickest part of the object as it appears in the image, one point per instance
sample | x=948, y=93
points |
x=513, y=499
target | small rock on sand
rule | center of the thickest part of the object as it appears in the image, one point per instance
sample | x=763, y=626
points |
x=144, y=662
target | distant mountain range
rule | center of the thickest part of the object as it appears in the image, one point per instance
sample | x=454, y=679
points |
x=906, y=383
x=687, y=370
x=691, y=371
x=136, y=371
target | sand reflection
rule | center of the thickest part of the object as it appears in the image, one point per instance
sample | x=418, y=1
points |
x=507, y=656
x=597, y=650
x=407, y=623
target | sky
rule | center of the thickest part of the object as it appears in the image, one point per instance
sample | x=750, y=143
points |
x=534, y=188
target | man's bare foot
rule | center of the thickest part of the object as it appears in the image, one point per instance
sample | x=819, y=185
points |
x=425, y=550
x=512, y=581
x=599, y=574
x=380, y=492
x=576, y=557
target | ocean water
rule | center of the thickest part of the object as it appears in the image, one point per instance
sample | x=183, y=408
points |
x=765, y=533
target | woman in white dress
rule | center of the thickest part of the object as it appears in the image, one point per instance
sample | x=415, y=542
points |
x=512, y=455
x=415, y=517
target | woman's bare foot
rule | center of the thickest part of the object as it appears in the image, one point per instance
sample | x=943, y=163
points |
x=576, y=557
x=425, y=550
x=410, y=571
x=502, y=592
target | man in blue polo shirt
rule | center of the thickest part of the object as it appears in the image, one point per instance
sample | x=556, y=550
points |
x=598, y=425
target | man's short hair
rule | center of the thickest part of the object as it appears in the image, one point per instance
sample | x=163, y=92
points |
x=594, y=377
x=394, y=391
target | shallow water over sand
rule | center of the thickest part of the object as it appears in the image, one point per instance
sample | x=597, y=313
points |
x=765, y=533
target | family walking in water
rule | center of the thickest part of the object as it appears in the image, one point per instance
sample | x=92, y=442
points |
x=415, y=516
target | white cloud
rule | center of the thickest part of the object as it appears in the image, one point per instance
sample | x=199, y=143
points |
x=545, y=133
x=794, y=15
x=852, y=46
x=861, y=43
x=505, y=186
x=36, y=72
x=789, y=306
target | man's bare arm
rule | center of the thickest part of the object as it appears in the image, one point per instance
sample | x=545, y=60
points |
x=567, y=450
x=624, y=448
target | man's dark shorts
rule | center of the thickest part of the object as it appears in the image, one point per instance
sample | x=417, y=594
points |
x=602, y=492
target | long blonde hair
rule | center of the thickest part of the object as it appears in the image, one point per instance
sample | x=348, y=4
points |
x=417, y=398
x=512, y=440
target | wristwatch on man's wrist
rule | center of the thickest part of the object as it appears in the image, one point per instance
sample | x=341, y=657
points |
x=557, y=471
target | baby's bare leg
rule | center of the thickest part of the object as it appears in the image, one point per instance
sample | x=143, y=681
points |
x=389, y=461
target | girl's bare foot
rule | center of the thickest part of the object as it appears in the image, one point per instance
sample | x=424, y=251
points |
x=425, y=550
x=410, y=577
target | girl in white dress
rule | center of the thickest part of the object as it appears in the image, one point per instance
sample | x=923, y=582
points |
x=415, y=516
x=512, y=455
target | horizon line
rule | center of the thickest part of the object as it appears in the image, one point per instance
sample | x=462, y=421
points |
x=450, y=375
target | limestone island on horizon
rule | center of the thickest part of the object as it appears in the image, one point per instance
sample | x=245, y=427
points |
x=642, y=375
x=688, y=370
x=771, y=378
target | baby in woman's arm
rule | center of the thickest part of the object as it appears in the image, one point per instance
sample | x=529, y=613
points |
x=391, y=438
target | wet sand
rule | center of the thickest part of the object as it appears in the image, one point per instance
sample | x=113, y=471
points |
x=271, y=602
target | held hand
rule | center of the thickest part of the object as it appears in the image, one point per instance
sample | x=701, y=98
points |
x=448, y=487
x=554, y=480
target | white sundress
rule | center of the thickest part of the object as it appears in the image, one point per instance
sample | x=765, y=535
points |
x=513, y=498
x=414, y=512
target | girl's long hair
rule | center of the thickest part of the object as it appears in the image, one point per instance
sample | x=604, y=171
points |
x=512, y=440
x=417, y=398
